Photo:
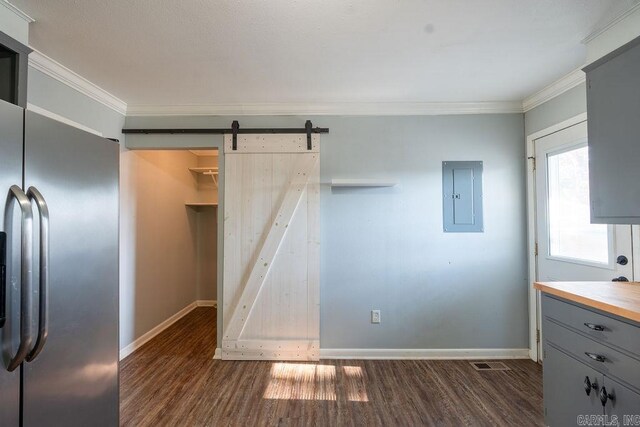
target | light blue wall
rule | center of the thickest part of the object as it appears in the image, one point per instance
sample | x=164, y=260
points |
x=385, y=248
x=562, y=107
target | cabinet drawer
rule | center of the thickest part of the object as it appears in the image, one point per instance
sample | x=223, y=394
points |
x=613, y=363
x=615, y=332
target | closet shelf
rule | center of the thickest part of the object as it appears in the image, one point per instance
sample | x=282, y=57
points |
x=205, y=170
x=200, y=205
x=356, y=182
x=210, y=171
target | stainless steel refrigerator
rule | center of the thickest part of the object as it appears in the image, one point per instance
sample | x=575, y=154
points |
x=60, y=289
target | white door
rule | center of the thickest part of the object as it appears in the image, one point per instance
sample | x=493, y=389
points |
x=271, y=248
x=569, y=246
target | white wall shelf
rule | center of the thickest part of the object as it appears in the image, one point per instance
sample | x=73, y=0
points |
x=356, y=182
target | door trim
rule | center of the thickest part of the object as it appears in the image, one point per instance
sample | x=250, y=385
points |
x=534, y=321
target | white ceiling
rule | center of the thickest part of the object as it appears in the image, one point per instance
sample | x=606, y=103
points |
x=167, y=52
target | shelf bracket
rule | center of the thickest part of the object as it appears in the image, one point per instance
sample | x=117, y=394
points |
x=212, y=174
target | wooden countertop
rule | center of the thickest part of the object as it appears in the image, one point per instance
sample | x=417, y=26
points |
x=619, y=298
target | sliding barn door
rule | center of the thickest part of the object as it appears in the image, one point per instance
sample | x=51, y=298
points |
x=271, y=248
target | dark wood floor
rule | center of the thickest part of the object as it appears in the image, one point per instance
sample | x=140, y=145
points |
x=173, y=381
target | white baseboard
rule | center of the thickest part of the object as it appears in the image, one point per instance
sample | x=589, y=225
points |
x=207, y=303
x=218, y=354
x=419, y=353
x=155, y=331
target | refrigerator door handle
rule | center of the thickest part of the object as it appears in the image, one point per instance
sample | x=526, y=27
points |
x=43, y=317
x=26, y=288
x=3, y=277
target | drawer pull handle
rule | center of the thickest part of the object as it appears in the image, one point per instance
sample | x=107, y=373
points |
x=604, y=396
x=596, y=357
x=594, y=327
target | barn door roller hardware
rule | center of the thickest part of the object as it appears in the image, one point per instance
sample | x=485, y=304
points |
x=234, y=130
x=308, y=127
x=235, y=127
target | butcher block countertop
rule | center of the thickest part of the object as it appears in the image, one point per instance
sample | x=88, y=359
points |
x=619, y=298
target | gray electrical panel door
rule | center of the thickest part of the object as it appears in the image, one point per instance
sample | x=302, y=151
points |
x=462, y=196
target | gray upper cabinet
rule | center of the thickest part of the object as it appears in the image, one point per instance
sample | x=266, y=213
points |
x=613, y=108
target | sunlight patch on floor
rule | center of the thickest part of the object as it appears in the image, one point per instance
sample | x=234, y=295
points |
x=355, y=384
x=301, y=381
x=305, y=381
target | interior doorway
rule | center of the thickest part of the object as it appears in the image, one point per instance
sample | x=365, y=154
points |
x=170, y=243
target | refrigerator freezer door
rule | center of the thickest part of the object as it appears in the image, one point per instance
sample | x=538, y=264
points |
x=11, y=126
x=73, y=381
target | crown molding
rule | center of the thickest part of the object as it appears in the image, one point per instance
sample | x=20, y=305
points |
x=19, y=13
x=556, y=88
x=330, y=109
x=52, y=68
x=599, y=31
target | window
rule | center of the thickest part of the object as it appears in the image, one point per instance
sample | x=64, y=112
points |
x=571, y=235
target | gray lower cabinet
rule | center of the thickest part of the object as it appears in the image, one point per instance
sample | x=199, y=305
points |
x=570, y=389
x=591, y=365
x=621, y=402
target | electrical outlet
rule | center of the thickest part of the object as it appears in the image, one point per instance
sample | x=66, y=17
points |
x=375, y=316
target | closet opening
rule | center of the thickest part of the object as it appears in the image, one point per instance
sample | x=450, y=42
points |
x=170, y=220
